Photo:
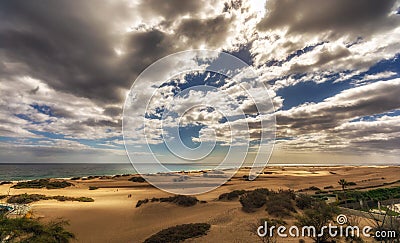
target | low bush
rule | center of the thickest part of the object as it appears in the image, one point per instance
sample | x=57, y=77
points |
x=179, y=233
x=280, y=204
x=155, y=199
x=252, y=200
x=41, y=183
x=249, y=178
x=93, y=188
x=140, y=202
x=137, y=179
x=29, y=198
x=5, y=182
x=83, y=199
x=180, y=200
x=328, y=187
x=304, y=201
x=32, y=230
x=231, y=195
x=26, y=198
x=78, y=199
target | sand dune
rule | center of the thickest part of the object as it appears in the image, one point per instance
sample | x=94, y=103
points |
x=113, y=216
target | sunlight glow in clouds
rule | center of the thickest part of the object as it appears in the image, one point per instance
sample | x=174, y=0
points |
x=332, y=69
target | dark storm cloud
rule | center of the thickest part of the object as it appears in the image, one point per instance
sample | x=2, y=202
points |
x=102, y=123
x=66, y=44
x=145, y=47
x=314, y=16
x=169, y=9
x=71, y=45
x=113, y=111
x=212, y=31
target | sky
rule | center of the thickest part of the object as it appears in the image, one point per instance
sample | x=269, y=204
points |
x=331, y=68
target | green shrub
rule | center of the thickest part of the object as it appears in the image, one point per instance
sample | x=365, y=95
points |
x=252, y=200
x=280, y=204
x=26, y=198
x=84, y=199
x=264, y=191
x=137, y=179
x=5, y=182
x=155, y=199
x=93, y=188
x=140, y=202
x=231, y=195
x=31, y=230
x=29, y=198
x=180, y=200
x=179, y=233
x=304, y=201
x=41, y=183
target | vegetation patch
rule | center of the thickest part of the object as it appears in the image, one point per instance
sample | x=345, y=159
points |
x=31, y=230
x=304, y=201
x=318, y=216
x=280, y=204
x=379, y=194
x=179, y=233
x=137, y=179
x=180, y=200
x=93, y=188
x=254, y=199
x=41, y=183
x=29, y=198
x=231, y=195
x=5, y=182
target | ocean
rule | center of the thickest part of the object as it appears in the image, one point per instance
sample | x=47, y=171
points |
x=29, y=171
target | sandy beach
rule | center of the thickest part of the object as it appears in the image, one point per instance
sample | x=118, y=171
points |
x=113, y=217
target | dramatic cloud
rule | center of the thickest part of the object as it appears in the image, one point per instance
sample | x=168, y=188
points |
x=375, y=98
x=336, y=16
x=66, y=67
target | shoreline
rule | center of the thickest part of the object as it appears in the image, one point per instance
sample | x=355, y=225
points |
x=113, y=216
x=194, y=171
